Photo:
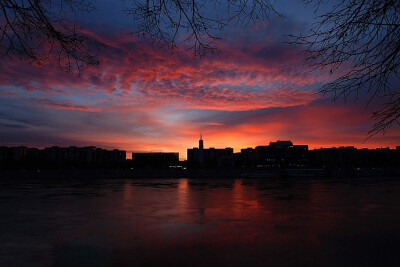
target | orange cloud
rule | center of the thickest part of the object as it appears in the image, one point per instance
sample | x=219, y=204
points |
x=136, y=71
x=141, y=99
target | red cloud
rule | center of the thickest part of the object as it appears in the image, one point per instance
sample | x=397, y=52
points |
x=66, y=105
x=318, y=125
x=135, y=70
x=141, y=92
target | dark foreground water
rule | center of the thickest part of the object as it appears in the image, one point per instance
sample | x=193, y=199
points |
x=200, y=222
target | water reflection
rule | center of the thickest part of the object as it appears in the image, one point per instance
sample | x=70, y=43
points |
x=183, y=191
x=197, y=222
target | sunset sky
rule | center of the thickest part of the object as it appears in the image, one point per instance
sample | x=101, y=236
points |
x=141, y=98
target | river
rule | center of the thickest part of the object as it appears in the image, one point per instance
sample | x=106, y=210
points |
x=200, y=222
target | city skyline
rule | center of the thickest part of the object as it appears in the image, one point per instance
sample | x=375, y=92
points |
x=280, y=154
x=141, y=98
x=199, y=133
x=200, y=143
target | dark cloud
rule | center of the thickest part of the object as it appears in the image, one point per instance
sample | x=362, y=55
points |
x=140, y=97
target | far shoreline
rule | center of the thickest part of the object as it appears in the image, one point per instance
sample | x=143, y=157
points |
x=261, y=173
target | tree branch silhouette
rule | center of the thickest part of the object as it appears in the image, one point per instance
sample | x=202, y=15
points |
x=358, y=41
x=165, y=21
x=38, y=33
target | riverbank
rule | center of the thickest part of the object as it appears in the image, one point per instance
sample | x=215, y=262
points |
x=184, y=173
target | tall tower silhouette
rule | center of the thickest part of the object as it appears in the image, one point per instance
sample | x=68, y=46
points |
x=201, y=142
x=201, y=150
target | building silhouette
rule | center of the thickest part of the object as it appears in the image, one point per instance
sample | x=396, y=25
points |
x=155, y=160
x=210, y=158
x=345, y=157
x=61, y=157
x=279, y=154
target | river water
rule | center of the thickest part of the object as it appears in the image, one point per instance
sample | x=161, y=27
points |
x=200, y=222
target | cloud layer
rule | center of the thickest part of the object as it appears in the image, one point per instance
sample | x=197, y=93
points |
x=142, y=99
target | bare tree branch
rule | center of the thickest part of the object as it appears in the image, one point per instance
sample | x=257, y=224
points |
x=165, y=21
x=359, y=40
x=37, y=32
